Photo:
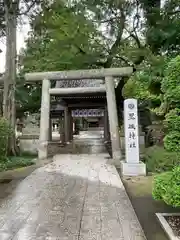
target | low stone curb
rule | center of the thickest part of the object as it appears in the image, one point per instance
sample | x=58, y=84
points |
x=165, y=225
x=23, y=172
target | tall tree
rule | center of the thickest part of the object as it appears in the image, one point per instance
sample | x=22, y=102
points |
x=10, y=10
x=62, y=38
x=102, y=33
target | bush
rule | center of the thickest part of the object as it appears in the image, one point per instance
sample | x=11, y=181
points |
x=167, y=187
x=170, y=86
x=158, y=159
x=5, y=132
x=160, y=185
x=172, y=120
x=172, y=142
x=172, y=124
x=170, y=83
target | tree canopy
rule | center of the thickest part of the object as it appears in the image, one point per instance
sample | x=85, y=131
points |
x=99, y=33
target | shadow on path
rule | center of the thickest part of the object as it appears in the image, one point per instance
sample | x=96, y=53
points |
x=75, y=197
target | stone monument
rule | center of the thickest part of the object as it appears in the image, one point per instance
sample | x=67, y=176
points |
x=31, y=124
x=132, y=165
x=29, y=140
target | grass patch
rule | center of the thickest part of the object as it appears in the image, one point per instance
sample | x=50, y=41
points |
x=144, y=185
x=15, y=162
x=27, y=154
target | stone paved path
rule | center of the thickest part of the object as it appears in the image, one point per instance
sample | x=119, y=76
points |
x=77, y=197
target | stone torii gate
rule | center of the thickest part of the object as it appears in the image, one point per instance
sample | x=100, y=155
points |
x=109, y=88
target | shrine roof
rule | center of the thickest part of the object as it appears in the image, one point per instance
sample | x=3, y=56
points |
x=83, y=83
x=88, y=100
x=58, y=103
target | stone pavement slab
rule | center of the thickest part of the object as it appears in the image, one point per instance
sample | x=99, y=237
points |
x=76, y=197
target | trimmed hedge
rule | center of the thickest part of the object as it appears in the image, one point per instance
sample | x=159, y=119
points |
x=166, y=187
x=172, y=125
x=160, y=185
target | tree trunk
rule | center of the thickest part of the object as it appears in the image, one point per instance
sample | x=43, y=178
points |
x=1, y=102
x=9, y=111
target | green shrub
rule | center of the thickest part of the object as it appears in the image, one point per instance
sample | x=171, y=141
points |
x=172, y=124
x=5, y=132
x=172, y=120
x=170, y=87
x=172, y=142
x=158, y=159
x=167, y=187
x=160, y=184
x=170, y=83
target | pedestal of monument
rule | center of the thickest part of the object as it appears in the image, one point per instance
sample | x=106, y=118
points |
x=133, y=169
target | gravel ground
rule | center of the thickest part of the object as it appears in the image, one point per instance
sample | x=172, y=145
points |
x=174, y=222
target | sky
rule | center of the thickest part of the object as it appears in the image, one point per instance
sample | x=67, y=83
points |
x=22, y=33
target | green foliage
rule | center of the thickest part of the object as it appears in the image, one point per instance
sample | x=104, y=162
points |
x=171, y=89
x=5, y=132
x=15, y=162
x=62, y=38
x=7, y=162
x=135, y=88
x=172, y=141
x=28, y=98
x=167, y=187
x=160, y=184
x=95, y=34
x=172, y=120
x=145, y=84
x=158, y=159
x=172, y=124
x=171, y=82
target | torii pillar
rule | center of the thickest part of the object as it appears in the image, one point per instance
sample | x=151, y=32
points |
x=61, y=130
x=44, y=120
x=106, y=125
x=113, y=120
x=67, y=125
x=70, y=126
